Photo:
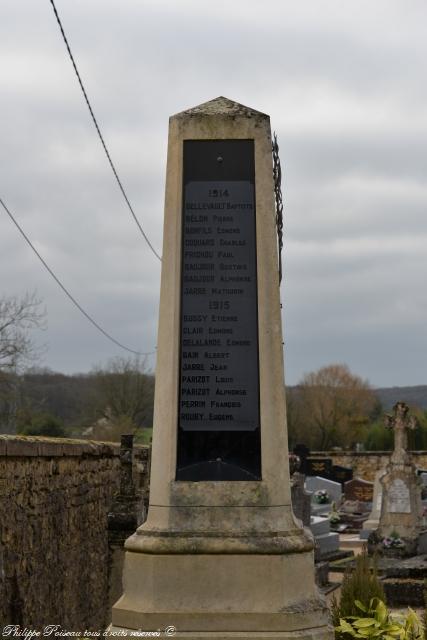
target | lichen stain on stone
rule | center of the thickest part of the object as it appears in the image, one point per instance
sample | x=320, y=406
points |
x=221, y=106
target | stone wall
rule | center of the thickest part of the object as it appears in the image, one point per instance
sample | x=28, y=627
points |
x=55, y=560
x=56, y=563
x=366, y=463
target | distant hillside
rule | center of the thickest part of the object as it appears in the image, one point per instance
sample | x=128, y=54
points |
x=414, y=396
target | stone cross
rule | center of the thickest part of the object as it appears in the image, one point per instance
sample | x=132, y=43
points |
x=401, y=506
x=400, y=422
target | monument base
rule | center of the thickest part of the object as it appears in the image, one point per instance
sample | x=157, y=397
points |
x=222, y=597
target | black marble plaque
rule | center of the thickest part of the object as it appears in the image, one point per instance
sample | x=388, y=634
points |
x=341, y=474
x=219, y=336
x=219, y=372
x=318, y=467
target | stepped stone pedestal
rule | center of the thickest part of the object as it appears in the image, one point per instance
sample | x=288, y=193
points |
x=221, y=555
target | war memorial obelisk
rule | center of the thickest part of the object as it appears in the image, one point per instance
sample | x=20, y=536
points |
x=221, y=555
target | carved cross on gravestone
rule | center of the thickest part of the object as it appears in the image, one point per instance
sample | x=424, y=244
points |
x=400, y=422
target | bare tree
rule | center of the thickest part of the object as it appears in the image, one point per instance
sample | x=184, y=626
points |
x=124, y=396
x=18, y=316
x=331, y=407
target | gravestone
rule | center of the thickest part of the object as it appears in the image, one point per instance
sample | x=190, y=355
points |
x=372, y=523
x=318, y=467
x=327, y=541
x=221, y=554
x=423, y=478
x=301, y=499
x=401, y=508
x=341, y=474
x=333, y=489
x=359, y=489
x=302, y=451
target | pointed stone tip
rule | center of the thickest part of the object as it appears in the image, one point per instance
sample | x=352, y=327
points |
x=221, y=106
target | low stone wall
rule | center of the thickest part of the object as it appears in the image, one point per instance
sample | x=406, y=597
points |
x=55, y=561
x=366, y=463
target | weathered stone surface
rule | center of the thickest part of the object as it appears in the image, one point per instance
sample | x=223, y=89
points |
x=401, y=509
x=221, y=107
x=54, y=553
x=301, y=499
x=374, y=518
x=215, y=558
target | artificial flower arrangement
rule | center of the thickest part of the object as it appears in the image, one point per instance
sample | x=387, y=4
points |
x=321, y=496
x=394, y=541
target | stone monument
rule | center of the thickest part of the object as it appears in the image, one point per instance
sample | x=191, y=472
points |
x=373, y=521
x=301, y=499
x=401, y=507
x=221, y=554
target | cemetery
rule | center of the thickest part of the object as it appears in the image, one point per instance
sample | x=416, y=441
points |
x=216, y=530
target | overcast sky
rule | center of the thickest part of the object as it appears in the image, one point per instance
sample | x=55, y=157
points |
x=345, y=85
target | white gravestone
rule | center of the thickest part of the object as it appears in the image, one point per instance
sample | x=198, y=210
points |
x=334, y=489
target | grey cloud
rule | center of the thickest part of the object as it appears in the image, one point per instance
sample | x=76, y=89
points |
x=344, y=85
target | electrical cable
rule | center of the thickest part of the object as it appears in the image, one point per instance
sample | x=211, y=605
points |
x=67, y=293
x=99, y=132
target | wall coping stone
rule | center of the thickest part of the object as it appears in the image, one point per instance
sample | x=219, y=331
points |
x=31, y=446
x=360, y=454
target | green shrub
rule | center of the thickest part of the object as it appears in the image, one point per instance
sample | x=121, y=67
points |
x=44, y=424
x=379, y=624
x=360, y=584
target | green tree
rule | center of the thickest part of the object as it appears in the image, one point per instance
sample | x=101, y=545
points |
x=378, y=438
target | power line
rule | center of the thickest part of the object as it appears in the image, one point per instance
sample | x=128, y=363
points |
x=116, y=175
x=67, y=293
